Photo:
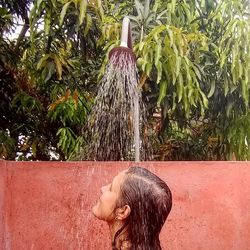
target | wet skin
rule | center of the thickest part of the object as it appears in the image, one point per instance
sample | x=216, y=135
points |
x=105, y=207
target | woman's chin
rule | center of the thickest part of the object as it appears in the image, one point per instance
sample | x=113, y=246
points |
x=95, y=210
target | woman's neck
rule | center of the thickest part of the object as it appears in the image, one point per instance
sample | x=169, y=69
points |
x=113, y=228
x=121, y=240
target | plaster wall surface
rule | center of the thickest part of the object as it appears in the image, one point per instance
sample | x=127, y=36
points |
x=47, y=205
x=2, y=200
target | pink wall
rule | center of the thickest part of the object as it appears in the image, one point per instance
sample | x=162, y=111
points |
x=46, y=205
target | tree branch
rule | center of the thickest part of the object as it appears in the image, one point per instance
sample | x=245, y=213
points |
x=22, y=33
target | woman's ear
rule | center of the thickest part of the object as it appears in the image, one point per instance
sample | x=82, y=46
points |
x=123, y=212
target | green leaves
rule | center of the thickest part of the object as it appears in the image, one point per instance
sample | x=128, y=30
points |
x=63, y=12
x=162, y=92
x=7, y=145
x=59, y=53
x=24, y=103
x=146, y=18
x=211, y=92
x=54, y=62
x=80, y=10
x=69, y=143
x=83, y=8
x=71, y=110
x=239, y=137
x=233, y=50
x=167, y=48
x=88, y=24
x=200, y=59
x=193, y=57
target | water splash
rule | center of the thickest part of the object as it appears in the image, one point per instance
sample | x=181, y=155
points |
x=113, y=117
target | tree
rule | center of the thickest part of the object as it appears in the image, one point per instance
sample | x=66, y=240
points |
x=196, y=58
x=193, y=62
x=50, y=73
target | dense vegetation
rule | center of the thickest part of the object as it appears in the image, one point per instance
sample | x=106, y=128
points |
x=193, y=62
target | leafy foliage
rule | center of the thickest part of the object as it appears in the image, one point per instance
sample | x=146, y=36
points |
x=193, y=62
x=196, y=63
x=46, y=87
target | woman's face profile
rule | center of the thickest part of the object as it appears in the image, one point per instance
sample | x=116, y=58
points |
x=104, y=209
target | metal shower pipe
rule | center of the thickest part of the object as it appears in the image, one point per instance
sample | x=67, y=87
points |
x=126, y=41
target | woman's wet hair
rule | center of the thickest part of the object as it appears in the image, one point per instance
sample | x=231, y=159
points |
x=150, y=200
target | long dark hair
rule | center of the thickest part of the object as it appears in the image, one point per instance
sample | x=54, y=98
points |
x=150, y=200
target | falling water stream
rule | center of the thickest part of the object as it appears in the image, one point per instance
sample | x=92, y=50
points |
x=115, y=118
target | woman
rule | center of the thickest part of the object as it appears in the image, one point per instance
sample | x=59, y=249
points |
x=135, y=206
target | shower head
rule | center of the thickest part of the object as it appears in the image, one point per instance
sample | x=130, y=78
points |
x=126, y=46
